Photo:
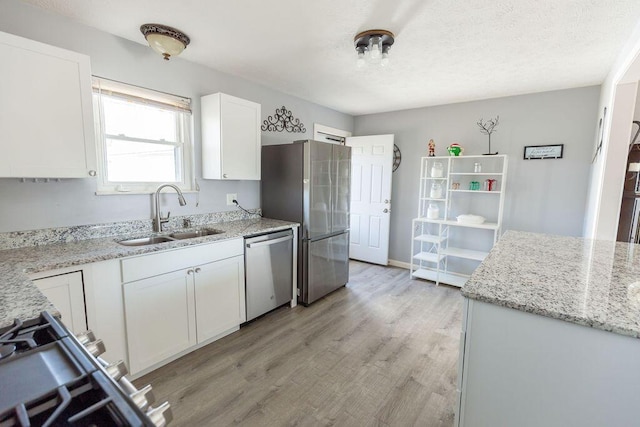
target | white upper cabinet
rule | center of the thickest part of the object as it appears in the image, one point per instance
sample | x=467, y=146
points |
x=230, y=138
x=46, y=113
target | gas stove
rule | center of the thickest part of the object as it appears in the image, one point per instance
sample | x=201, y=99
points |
x=49, y=377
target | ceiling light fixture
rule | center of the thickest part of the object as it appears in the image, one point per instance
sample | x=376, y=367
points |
x=373, y=47
x=167, y=41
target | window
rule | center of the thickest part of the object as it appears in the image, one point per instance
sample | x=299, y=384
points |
x=329, y=134
x=143, y=136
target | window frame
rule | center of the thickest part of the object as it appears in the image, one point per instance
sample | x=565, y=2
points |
x=184, y=145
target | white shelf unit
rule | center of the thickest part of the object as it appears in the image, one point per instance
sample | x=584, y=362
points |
x=444, y=250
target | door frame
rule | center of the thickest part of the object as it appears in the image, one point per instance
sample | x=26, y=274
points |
x=325, y=133
x=388, y=236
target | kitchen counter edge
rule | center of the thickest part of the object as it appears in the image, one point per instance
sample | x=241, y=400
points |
x=593, y=283
x=20, y=297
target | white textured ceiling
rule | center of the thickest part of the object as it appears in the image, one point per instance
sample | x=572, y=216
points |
x=446, y=51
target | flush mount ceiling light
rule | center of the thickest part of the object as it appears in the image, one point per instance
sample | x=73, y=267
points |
x=373, y=47
x=167, y=41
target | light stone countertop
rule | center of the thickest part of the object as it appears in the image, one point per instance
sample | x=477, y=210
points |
x=593, y=283
x=21, y=299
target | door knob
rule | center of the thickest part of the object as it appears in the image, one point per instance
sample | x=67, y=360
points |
x=386, y=210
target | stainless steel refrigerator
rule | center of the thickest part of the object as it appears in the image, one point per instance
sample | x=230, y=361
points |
x=309, y=182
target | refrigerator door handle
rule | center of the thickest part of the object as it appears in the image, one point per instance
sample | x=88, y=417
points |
x=326, y=236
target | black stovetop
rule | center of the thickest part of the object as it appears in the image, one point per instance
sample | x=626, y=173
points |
x=48, y=378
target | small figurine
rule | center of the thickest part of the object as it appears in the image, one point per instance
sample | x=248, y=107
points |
x=432, y=148
x=455, y=149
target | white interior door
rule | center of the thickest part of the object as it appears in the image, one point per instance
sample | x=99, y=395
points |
x=371, y=168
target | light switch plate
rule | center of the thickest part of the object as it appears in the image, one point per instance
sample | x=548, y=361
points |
x=230, y=198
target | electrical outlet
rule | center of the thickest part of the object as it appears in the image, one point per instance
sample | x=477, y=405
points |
x=230, y=198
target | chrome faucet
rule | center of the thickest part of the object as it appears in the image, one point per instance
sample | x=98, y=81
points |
x=159, y=220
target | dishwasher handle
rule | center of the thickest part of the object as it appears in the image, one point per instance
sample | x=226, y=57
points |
x=269, y=242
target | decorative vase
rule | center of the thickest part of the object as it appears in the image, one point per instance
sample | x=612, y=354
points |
x=455, y=149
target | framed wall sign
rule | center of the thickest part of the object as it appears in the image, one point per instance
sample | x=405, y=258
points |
x=532, y=152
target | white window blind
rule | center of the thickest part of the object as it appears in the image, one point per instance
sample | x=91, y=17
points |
x=141, y=95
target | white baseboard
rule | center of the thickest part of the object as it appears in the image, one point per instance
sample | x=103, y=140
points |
x=400, y=264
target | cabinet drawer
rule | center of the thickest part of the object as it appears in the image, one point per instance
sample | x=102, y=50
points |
x=144, y=266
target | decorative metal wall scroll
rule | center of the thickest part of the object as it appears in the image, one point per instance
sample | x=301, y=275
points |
x=283, y=120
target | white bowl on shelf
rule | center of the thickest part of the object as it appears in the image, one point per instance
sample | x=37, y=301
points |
x=470, y=219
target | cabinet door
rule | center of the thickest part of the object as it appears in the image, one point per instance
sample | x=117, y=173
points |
x=105, y=307
x=45, y=111
x=230, y=138
x=159, y=318
x=66, y=293
x=240, y=138
x=219, y=296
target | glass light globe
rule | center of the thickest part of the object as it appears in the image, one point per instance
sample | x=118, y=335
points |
x=375, y=51
x=385, y=59
x=165, y=45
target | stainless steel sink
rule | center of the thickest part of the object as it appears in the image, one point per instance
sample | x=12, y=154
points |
x=142, y=241
x=176, y=235
x=195, y=233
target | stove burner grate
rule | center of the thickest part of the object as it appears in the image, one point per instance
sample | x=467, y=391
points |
x=55, y=382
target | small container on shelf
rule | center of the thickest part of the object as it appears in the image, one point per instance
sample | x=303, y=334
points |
x=437, y=170
x=433, y=211
x=490, y=184
x=436, y=191
x=455, y=185
x=477, y=167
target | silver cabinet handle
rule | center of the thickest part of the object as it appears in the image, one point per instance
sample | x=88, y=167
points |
x=92, y=173
x=386, y=210
x=387, y=201
x=198, y=270
x=189, y=271
x=224, y=175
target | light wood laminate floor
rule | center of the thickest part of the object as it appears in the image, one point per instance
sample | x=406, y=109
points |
x=382, y=351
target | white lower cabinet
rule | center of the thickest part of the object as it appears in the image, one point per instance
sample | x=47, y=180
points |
x=105, y=307
x=89, y=296
x=173, y=312
x=219, y=297
x=66, y=293
x=527, y=370
x=160, y=318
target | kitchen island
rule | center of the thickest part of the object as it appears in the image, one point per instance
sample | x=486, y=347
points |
x=21, y=299
x=550, y=334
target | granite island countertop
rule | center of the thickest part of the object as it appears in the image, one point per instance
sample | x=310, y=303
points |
x=593, y=283
x=21, y=299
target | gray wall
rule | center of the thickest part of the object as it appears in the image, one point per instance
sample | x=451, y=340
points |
x=29, y=205
x=546, y=196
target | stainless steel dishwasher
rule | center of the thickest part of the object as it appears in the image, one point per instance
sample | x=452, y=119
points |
x=268, y=261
